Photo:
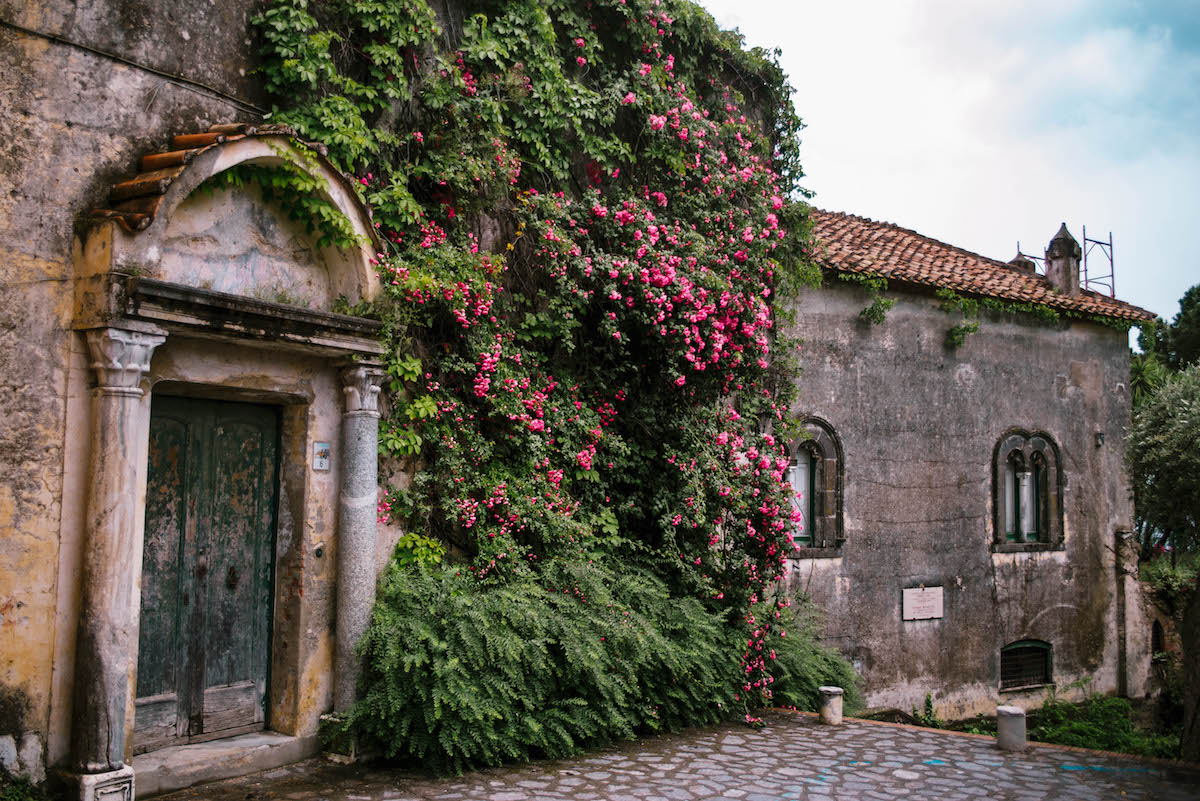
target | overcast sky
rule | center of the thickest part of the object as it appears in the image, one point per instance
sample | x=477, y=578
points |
x=984, y=123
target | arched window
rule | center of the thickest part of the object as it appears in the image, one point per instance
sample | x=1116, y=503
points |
x=1028, y=509
x=1026, y=663
x=815, y=475
x=802, y=477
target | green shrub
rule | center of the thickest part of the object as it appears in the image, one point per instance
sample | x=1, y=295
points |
x=926, y=716
x=460, y=675
x=1101, y=722
x=1173, y=580
x=17, y=789
x=803, y=664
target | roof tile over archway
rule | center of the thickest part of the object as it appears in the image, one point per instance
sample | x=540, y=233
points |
x=134, y=203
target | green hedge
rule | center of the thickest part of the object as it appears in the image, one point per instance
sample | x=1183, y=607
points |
x=461, y=676
x=1101, y=722
x=803, y=664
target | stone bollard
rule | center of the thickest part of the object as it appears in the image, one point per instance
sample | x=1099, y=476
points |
x=1010, y=728
x=831, y=705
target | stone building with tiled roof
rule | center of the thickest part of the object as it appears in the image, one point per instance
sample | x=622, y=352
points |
x=965, y=506
x=857, y=245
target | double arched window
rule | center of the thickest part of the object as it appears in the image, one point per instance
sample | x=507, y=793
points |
x=815, y=475
x=1027, y=490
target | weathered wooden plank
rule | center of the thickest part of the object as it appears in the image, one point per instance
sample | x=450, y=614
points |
x=227, y=707
x=241, y=545
x=210, y=545
x=156, y=722
x=232, y=609
x=158, y=635
x=224, y=733
x=196, y=572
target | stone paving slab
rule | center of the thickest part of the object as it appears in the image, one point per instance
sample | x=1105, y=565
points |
x=794, y=757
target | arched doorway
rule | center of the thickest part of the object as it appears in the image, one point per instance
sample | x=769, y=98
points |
x=230, y=550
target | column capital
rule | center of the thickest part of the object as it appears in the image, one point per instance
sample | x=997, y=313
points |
x=361, y=384
x=120, y=358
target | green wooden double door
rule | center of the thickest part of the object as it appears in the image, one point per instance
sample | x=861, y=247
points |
x=207, y=571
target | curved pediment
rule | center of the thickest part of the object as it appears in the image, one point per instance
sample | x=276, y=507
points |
x=176, y=222
x=228, y=239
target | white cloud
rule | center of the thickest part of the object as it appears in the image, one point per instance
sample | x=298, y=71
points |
x=982, y=124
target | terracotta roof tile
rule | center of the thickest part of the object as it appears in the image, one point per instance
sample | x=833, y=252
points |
x=135, y=202
x=853, y=244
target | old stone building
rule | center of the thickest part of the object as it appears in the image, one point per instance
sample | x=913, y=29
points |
x=170, y=356
x=966, y=504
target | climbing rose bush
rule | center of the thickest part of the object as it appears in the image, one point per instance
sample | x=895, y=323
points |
x=589, y=208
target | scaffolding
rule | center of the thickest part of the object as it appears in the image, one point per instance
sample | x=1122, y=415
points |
x=1105, y=281
x=1097, y=273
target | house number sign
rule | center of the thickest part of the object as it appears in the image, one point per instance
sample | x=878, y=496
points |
x=922, y=603
x=321, y=454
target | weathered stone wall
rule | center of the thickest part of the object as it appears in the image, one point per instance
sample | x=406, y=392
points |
x=71, y=123
x=919, y=423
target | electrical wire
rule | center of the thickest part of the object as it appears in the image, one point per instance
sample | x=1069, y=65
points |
x=178, y=80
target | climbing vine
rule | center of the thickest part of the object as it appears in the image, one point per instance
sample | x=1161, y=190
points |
x=968, y=309
x=298, y=193
x=876, y=312
x=587, y=209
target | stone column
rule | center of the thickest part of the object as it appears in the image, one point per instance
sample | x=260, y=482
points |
x=108, y=621
x=831, y=705
x=1010, y=728
x=357, y=515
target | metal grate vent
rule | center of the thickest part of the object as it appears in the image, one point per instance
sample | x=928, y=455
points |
x=1024, y=664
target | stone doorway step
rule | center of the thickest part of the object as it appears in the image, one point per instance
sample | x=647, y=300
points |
x=181, y=766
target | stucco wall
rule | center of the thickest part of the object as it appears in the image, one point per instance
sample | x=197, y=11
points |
x=919, y=423
x=230, y=241
x=72, y=123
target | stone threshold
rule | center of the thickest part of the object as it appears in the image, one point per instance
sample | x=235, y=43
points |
x=180, y=766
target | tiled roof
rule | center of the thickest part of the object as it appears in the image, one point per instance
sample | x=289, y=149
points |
x=853, y=244
x=135, y=202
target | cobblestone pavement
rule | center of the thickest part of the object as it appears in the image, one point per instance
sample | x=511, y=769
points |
x=794, y=757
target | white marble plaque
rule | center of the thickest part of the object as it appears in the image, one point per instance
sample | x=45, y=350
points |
x=321, y=454
x=922, y=603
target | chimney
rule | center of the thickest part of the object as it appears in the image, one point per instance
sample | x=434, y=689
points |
x=1023, y=263
x=1062, y=262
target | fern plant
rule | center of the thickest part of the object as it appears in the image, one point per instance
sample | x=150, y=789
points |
x=458, y=677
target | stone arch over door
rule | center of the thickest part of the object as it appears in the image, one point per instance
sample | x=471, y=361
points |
x=160, y=315
x=145, y=208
